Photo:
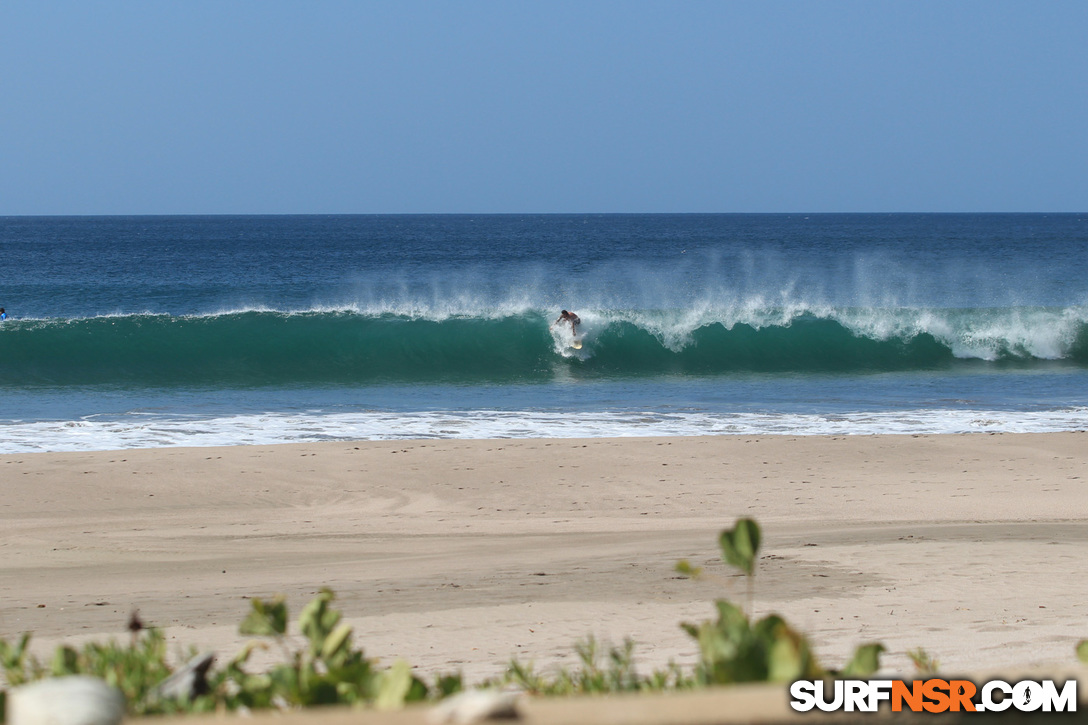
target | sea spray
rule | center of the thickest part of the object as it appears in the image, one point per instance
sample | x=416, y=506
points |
x=145, y=331
x=282, y=348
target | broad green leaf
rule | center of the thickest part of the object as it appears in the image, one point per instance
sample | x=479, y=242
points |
x=417, y=691
x=20, y=649
x=286, y=681
x=768, y=628
x=317, y=620
x=65, y=661
x=790, y=657
x=266, y=619
x=337, y=643
x=394, y=686
x=13, y=659
x=786, y=659
x=731, y=619
x=1082, y=651
x=740, y=545
x=866, y=661
x=447, y=685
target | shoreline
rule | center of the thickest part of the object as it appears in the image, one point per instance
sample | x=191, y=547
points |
x=460, y=554
x=271, y=428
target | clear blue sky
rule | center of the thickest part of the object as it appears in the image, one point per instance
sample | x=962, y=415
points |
x=370, y=107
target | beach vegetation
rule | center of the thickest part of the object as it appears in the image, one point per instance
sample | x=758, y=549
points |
x=740, y=548
x=733, y=648
x=740, y=545
x=319, y=663
x=325, y=669
x=596, y=673
x=685, y=568
x=924, y=662
x=135, y=668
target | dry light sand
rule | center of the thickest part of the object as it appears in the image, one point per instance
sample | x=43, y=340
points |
x=461, y=554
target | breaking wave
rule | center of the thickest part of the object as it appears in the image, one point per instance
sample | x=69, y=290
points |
x=267, y=347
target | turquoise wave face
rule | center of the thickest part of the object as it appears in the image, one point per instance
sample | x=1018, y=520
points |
x=257, y=348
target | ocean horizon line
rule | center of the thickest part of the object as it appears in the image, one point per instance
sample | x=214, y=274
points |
x=463, y=214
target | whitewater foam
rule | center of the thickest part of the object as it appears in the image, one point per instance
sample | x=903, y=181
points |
x=145, y=431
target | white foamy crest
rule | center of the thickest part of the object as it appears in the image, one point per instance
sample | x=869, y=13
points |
x=985, y=334
x=1023, y=332
x=675, y=328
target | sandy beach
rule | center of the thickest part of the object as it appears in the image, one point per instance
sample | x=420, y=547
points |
x=461, y=554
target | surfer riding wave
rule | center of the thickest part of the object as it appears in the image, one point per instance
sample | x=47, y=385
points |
x=571, y=318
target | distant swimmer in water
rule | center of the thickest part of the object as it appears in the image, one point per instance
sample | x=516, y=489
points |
x=3, y=315
x=570, y=317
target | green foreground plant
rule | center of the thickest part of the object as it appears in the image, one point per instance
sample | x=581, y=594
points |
x=924, y=663
x=596, y=674
x=327, y=669
x=734, y=649
x=135, y=669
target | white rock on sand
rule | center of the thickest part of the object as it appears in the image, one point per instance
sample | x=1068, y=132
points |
x=76, y=700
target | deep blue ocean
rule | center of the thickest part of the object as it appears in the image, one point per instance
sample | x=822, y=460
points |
x=160, y=331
